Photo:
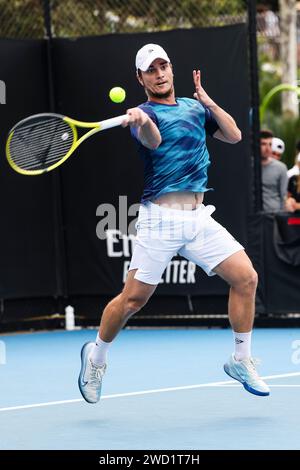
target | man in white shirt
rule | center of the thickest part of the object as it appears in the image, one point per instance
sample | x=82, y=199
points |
x=295, y=170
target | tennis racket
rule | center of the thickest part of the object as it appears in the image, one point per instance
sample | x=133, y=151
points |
x=42, y=142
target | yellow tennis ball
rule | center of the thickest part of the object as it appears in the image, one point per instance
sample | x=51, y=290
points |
x=117, y=94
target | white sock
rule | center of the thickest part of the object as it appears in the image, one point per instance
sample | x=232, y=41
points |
x=98, y=354
x=242, y=345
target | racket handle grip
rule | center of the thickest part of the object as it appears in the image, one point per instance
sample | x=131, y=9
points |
x=113, y=122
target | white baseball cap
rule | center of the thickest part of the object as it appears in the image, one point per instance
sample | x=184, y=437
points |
x=298, y=158
x=147, y=54
x=278, y=145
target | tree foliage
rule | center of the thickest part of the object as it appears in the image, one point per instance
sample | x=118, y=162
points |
x=24, y=18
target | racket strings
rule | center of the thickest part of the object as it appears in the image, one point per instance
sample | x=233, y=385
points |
x=41, y=143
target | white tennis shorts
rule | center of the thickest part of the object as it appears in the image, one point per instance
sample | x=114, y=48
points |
x=163, y=232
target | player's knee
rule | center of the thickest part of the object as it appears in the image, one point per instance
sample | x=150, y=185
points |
x=252, y=279
x=248, y=281
x=134, y=304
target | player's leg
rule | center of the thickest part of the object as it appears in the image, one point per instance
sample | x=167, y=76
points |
x=217, y=252
x=133, y=297
x=238, y=272
x=93, y=355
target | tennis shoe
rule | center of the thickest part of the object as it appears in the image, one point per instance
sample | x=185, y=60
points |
x=90, y=377
x=245, y=372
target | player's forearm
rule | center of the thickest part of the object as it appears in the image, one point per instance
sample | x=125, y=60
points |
x=226, y=124
x=149, y=135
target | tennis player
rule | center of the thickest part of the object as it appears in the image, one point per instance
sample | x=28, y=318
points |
x=171, y=136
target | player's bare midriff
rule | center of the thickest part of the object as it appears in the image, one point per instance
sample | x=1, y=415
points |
x=185, y=200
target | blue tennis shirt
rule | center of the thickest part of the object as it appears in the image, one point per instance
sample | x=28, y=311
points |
x=180, y=162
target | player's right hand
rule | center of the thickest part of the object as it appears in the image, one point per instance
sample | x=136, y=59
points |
x=135, y=117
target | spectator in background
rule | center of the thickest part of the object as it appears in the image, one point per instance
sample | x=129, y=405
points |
x=278, y=148
x=272, y=29
x=273, y=174
x=269, y=28
x=267, y=21
x=293, y=200
x=295, y=171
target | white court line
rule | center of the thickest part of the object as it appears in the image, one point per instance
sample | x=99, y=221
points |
x=146, y=392
x=273, y=385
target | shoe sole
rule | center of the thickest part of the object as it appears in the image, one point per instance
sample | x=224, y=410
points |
x=82, y=372
x=247, y=387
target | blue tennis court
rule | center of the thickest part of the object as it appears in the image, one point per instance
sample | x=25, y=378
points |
x=164, y=389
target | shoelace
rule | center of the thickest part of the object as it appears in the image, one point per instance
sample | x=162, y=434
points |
x=251, y=364
x=96, y=374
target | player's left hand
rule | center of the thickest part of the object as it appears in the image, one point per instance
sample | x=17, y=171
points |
x=200, y=93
